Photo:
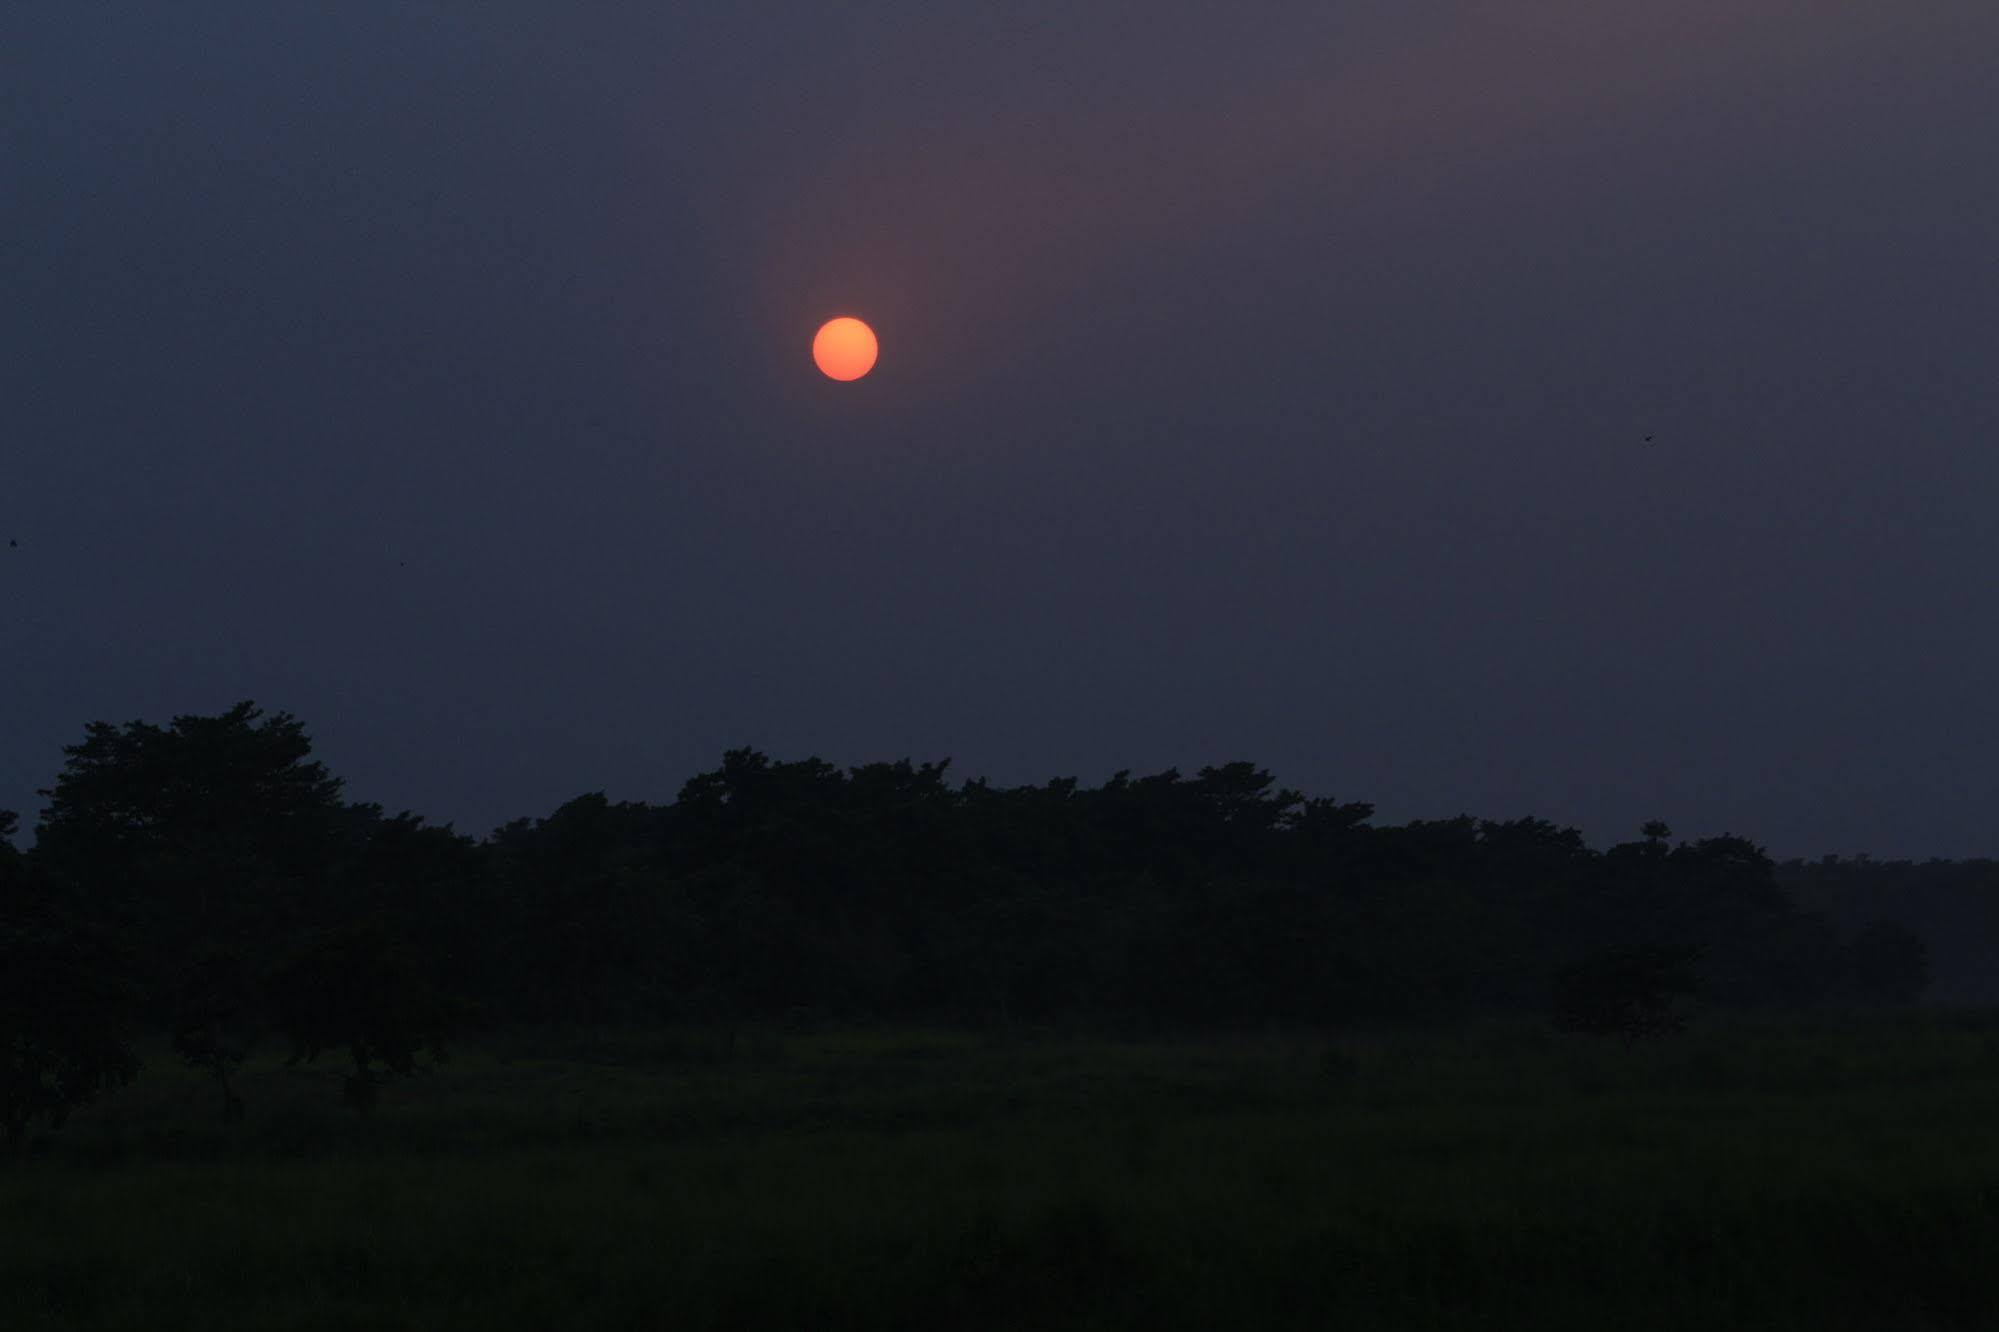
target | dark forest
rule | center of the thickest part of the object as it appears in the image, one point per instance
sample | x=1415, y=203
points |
x=208, y=877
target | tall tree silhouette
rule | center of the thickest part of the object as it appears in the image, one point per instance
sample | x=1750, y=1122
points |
x=66, y=1012
x=208, y=835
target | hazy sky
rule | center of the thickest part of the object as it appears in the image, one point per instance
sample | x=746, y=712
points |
x=1258, y=380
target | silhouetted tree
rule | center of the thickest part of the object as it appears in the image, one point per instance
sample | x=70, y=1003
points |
x=211, y=834
x=1802, y=964
x=359, y=988
x=1727, y=899
x=426, y=882
x=1627, y=992
x=218, y=1015
x=1951, y=905
x=580, y=900
x=65, y=1013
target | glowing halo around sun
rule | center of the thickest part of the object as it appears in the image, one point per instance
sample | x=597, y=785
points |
x=844, y=348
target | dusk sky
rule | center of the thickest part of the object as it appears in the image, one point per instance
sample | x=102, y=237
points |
x=1257, y=380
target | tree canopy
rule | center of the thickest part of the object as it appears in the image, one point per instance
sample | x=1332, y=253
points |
x=249, y=898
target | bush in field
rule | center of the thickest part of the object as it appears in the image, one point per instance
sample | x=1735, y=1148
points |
x=360, y=989
x=1626, y=992
x=1337, y=1066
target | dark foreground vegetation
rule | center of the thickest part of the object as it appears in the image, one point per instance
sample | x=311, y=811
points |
x=1823, y=1175
x=864, y=1048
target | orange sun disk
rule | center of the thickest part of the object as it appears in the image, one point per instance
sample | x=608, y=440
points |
x=844, y=348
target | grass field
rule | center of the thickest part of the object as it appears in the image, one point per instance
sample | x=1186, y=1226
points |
x=1802, y=1174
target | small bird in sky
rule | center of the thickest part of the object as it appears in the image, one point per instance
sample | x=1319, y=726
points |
x=1648, y=439
x=13, y=544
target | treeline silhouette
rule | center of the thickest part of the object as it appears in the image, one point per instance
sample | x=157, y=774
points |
x=208, y=879
x=1952, y=905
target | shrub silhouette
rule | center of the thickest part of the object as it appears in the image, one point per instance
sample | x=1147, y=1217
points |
x=1337, y=1066
x=360, y=989
x=1627, y=992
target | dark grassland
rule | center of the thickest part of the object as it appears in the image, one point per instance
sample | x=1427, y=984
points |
x=1804, y=1173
